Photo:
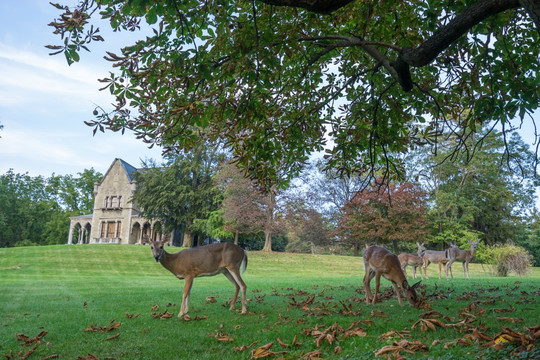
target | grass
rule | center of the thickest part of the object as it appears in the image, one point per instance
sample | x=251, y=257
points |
x=64, y=290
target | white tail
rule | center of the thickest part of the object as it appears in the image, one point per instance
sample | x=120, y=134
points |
x=380, y=262
x=411, y=259
x=435, y=256
x=465, y=256
x=209, y=260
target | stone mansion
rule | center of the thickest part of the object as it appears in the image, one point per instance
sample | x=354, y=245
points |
x=115, y=219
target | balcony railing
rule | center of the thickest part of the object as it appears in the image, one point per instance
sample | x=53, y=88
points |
x=107, y=240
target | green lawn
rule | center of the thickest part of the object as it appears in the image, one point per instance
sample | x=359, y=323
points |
x=318, y=300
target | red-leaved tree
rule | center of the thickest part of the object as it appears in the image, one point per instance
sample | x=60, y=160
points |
x=384, y=215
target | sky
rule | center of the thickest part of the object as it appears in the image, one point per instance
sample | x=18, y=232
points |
x=43, y=101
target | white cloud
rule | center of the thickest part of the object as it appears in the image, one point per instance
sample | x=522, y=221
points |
x=37, y=78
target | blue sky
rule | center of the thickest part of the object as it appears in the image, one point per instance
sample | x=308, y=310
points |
x=43, y=101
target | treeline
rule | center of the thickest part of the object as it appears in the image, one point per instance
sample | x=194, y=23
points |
x=448, y=196
x=36, y=210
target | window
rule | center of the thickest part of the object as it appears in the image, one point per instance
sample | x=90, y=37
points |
x=111, y=229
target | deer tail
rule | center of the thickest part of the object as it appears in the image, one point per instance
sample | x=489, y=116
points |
x=244, y=262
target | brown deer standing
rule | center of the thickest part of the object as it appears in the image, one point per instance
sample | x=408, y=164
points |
x=430, y=256
x=465, y=256
x=209, y=260
x=380, y=262
x=411, y=259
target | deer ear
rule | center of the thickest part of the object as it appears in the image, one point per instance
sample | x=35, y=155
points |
x=416, y=285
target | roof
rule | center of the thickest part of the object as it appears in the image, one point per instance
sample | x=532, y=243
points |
x=130, y=170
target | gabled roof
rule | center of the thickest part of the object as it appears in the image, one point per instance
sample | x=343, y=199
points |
x=130, y=170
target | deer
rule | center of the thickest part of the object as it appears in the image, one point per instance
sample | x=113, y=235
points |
x=378, y=262
x=208, y=260
x=411, y=259
x=465, y=256
x=429, y=256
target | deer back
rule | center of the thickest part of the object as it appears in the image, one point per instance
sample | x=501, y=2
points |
x=381, y=260
x=410, y=259
x=465, y=255
x=205, y=260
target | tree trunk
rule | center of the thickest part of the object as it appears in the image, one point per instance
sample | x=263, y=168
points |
x=267, y=241
x=355, y=247
x=188, y=235
x=236, y=237
x=188, y=239
x=269, y=220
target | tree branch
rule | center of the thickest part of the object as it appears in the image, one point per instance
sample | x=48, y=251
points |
x=318, y=6
x=446, y=35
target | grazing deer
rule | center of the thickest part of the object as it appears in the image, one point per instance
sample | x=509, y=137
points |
x=465, y=256
x=209, y=260
x=380, y=262
x=429, y=256
x=411, y=259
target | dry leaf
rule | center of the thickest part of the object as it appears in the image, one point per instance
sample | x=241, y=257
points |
x=88, y=357
x=245, y=347
x=223, y=337
x=312, y=355
x=210, y=300
x=378, y=313
x=426, y=324
x=281, y=343
x=393, y=333
x=113, y=337
x=264, y=351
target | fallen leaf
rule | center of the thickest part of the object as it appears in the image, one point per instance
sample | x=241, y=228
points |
x=113, y=337
x=88, y=357
x=281, y=343
x=393, y=333
x=245, y=347
x=312, y=355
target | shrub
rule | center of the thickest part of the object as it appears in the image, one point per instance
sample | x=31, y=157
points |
x=507, y=258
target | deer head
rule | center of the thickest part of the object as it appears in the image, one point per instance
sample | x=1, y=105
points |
x=156, y=246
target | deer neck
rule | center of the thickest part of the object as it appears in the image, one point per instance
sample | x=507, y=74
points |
x=165, y=260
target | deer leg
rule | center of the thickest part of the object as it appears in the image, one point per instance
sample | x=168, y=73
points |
x=426, y=263
x=398, y=293
x=466, y=269
x=377, y=285
x=449, y=267
x=414, y=271
x=367, y=279
x=184, y=308
x=237, y=279
x=229, y=276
